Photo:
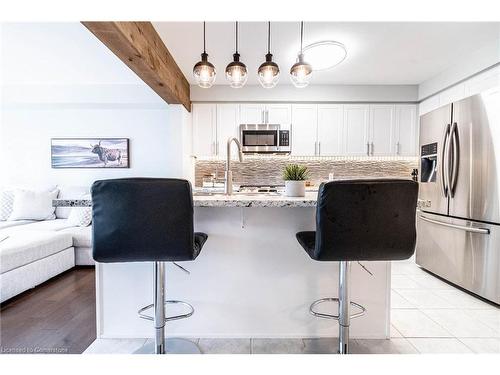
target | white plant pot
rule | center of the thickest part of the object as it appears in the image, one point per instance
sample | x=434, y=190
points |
x=295, y=188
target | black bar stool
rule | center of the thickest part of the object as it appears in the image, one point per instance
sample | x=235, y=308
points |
x=147, y=220
x=360, y=220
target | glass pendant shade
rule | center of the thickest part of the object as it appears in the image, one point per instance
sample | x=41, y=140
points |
x=301, y=73
x=204, y=72
x=236, y=72
x=269, y=73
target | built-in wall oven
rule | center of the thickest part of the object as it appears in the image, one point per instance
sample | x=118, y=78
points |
x=264, y=139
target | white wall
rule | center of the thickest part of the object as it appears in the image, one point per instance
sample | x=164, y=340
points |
x=478, y=83
x=470, y=64
x=25, y=148
x=59, y=81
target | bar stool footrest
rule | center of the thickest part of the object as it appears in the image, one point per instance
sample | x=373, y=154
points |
x=331, y=316
x=170, y=318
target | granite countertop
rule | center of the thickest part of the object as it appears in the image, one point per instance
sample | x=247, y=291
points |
x=255, y=200
x=221, y=200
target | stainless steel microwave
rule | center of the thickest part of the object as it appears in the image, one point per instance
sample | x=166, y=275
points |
x=264, y=139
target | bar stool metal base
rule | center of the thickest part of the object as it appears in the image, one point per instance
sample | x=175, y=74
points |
x=344, y=301
x=161, y=345
x=331, y=316
x=172, y=346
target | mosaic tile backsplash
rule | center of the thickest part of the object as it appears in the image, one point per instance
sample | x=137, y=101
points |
x=267, y=170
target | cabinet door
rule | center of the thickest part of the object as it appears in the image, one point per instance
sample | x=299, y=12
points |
x=252, y=113
x=304, y=129
x=330, y=128
x=356, y=129
x=406, y=130
x=204, y=120
x=279, y=114
x=382, y=130
x=227, y=126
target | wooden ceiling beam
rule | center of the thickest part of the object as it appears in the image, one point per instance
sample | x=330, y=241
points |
x=140, y=47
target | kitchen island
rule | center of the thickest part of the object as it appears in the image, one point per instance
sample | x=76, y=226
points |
x=252, y=278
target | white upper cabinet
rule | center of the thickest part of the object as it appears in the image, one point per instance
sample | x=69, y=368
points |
x=316, y=129
x=330, y=130
x=356, y=129
x=252, y=113
x=304, y=129
x=227, y=126
x=279, y=114
x=204, y=129
x=382, y=130
x=406, y=130
x=266, y=114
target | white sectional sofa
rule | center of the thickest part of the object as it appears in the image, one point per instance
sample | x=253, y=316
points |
x=32, y=251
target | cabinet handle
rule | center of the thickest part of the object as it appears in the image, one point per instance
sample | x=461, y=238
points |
x=217, y=148
x=372, y=148
x=315, y=148
x=267, y=116
x=319, y=148
x=262, y=117
x=212, y=148
x=368, y=148
x=397, y=148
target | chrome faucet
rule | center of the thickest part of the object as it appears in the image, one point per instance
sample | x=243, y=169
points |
x=229, y=173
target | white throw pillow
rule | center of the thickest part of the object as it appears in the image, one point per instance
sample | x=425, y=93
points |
x=33, y=205
x=69, y=192
x=6, y=204
x=80, y=216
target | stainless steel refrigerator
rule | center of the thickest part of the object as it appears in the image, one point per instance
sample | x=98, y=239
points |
x=459, y=220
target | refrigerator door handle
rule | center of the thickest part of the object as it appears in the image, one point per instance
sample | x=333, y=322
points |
x=461, y=227
x=455, y=157
x=444, y=162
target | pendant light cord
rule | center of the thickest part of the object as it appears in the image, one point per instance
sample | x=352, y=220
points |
x=204, y=39
x=236, y=36
x=269, y=37
x=301, y=34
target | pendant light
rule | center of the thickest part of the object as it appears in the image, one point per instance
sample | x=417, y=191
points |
x=301, y=72
x=236, y=71
x=204, y=72
x=269, y=72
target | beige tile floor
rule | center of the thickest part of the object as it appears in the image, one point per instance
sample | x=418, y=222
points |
x=428, y=315
x=435, y=317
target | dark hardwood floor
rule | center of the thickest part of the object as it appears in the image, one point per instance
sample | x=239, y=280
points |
x=57, y=316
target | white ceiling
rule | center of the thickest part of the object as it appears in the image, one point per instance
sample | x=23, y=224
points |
x=377, y=53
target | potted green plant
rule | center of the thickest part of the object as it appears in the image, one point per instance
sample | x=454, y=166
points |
x=295, y=177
